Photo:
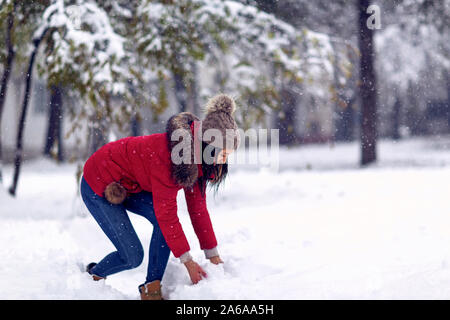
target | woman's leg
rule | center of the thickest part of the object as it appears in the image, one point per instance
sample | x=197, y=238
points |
x=115, y=223
x=142, y=204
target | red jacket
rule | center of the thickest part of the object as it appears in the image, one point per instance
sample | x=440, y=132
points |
x=144, y=163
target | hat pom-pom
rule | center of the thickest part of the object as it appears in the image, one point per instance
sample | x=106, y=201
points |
x=221, y=102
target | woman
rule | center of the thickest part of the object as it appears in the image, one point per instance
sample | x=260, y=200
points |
x=142, y=175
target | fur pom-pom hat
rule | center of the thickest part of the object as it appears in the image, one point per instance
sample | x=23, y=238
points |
x=219, y=116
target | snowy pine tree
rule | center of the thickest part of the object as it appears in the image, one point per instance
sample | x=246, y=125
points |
x=253, y=52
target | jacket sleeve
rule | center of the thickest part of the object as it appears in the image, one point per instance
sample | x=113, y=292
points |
x=201, y=221
x=165, y=206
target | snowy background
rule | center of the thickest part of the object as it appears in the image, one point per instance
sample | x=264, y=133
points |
x=333, y=221
x=319, y=228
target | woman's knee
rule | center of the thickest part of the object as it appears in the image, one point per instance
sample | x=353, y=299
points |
x=135, y=256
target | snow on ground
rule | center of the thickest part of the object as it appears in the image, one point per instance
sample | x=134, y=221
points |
x=320, y=228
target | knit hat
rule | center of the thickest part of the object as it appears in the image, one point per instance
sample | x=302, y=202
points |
x=219, y=116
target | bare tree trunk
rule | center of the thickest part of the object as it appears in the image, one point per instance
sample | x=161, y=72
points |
x=286, y=120
x=367, y=88
x=97, y=136
x=6, y=76
x=54, y=132
x=20, y=130
x=135, y=122
x=447, y=78
x=135, y=126
x=180, y=91
x=186, y=88
x=345, y=125
x=192, y=104
x=396, y=119
x=414, y=118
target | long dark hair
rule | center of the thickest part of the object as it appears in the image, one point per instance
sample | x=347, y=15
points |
x=213, y=174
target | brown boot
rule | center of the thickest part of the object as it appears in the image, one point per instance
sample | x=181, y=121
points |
x=151, y=291
x=88, y=270
x=97, y=278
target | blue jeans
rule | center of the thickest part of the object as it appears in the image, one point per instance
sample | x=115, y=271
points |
x=115, y=223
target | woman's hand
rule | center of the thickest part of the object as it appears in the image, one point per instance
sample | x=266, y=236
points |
x=195, y=271
x=215, y=260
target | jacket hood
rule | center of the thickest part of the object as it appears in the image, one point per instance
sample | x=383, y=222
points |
x=184, y=174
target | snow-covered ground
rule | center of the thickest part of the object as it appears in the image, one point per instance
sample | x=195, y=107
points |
x=320, y=228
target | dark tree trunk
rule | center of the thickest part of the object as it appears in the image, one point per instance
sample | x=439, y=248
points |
x=98, y=139
x=6, y=76
x=97, y=135
x=192, y=104
x=135, y=126
x=414, y=118
x=180, y=91
x=447, y=78
x=186, y=91
x=54, y=132
x=286, y=121
x=396, y=119
x=367, y=88
x=346, y=122
x=20, y=130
